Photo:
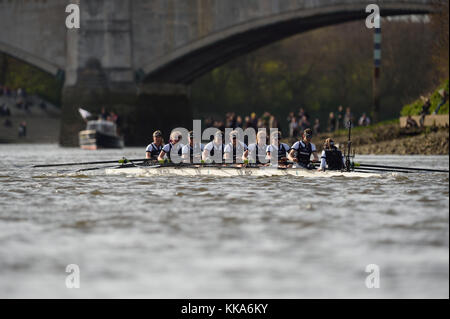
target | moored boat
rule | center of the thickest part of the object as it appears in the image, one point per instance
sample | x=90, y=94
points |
x=100, y=134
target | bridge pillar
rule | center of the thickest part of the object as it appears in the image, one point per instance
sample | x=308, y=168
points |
x=100, y=73
x=142, y=109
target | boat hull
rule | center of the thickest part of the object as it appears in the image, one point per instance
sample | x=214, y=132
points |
x=93, y=140
x=230, y=171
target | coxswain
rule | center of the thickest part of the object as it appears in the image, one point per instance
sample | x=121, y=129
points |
x=192, y=153
x=235, y=151
x=213, y=151
x=301, y=151
x=154, y=149
x=257, y=151
x=276, y=149
x=332, y=157
x=174, y=145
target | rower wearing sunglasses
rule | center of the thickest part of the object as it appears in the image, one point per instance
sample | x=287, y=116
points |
x=174, y=145
x=301, y=151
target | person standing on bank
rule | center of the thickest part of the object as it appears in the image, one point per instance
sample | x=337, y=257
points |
x=301, y=151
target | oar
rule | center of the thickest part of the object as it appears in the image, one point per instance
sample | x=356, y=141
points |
x=96, y=168
x=121, y=161
x=364, y=169
x=404, y=168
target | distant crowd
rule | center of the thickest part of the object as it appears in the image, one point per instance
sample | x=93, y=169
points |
x=266, y=120
x=340, y=119
x=297, y=123
x=21, y=102
x=20, y=97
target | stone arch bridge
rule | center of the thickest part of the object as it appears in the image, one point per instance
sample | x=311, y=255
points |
x=138, y=57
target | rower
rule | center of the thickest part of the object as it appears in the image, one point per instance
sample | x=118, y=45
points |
x=301, y=151
x=152, y=151
x=173, y=145
x=332, y=157
x=257, y=151
x=213, y=151
x=277, y=149
x=192, y=153
x=235, y=151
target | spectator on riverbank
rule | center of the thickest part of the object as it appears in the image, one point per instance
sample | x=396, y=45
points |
x=331, y=122
x=364, y=120
x=293, y=126
x=348, y=117
x=302, y=113
x=239, y=122
x=4, y=110
x=425, y=111
x=410, y=122
x=254, y=120
x=444, y=98
x=23, y=129
x=247, y=122
x=273, y=123
x=6, y=91
x=304, y=123
x=340, y=118
x=316, y=127
x=103, y=114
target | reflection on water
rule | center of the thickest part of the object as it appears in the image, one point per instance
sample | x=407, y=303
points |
x=218, y=237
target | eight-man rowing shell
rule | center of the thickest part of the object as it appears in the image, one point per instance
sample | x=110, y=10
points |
x=230, y=171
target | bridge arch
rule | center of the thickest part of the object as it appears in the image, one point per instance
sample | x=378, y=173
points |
x=31, y=59
x=186, y=63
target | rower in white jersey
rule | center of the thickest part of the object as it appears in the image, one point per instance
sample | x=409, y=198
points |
x=154, y=149
x=235, y=151
x=277, y=151
x=301, y=151
x=192, y=153
x=213, y=151
x=257, y=151
x=174, y=145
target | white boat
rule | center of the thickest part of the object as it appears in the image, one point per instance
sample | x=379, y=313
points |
x=100, y=134
x=230, y=171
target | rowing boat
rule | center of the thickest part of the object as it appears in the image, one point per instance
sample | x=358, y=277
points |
x=229, y=171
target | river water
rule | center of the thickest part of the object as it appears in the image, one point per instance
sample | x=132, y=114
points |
x=191, y=237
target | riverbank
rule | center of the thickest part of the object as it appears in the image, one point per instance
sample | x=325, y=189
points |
x=390, y=138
